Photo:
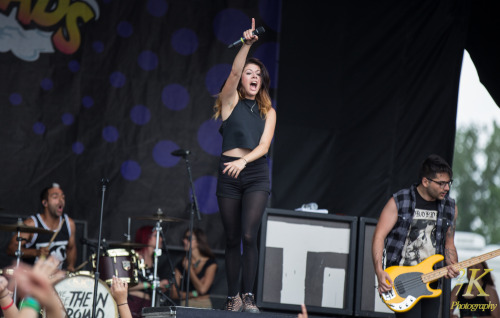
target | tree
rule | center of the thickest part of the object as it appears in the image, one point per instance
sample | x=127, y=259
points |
x=476, y=181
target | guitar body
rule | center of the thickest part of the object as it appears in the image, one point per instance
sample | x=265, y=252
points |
x=408, y=287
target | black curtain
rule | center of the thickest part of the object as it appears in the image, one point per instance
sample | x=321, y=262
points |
x=368, y=89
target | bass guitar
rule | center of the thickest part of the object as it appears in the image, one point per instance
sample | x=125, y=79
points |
x=411, y=283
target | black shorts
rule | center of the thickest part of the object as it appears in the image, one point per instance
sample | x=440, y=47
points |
x=255, y=177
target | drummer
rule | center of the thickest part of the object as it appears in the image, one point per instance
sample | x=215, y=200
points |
x=140, y=295
x=62, y=246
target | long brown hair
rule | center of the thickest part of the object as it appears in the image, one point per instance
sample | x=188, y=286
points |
x=262, y=98
x=202, y=241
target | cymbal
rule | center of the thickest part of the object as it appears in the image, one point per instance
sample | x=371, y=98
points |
x=21, y=227
x=159, y=218
x=128, y=245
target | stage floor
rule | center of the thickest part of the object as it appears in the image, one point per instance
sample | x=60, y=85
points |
x=189, y=312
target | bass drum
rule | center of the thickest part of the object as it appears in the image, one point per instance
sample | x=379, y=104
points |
x=77, y=295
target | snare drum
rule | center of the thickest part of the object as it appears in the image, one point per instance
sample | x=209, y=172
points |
x=77, y=295
x=121, y=263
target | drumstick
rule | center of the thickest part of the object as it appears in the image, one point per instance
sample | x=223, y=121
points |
x=81, y=266
x=57, y=232
x=54, y=236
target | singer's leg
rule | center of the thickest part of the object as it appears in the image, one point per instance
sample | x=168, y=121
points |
x=253, y=206
x=230, y=210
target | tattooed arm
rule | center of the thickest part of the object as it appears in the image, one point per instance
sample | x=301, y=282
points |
x=450, y=251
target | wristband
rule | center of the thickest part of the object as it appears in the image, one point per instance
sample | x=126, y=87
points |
x=8, y=306
x=30, y=302
x=145, y=285
x=246, y=162
x=122, y=304
x=195, y=293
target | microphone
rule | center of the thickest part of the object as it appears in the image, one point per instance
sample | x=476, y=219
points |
x=258, y=31
x=180, y=153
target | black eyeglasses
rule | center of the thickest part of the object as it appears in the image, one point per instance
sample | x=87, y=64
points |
x=441, y=184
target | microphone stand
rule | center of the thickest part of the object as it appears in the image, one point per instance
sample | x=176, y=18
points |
x=194, y=208
x=156, y=281
x=104, y=183
x=165, y=247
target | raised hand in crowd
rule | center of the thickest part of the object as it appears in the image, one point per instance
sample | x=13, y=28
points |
x=7, y=304
x=35, y=283
x=119, y=290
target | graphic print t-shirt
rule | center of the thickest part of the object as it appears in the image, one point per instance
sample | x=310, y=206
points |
x=421, y=240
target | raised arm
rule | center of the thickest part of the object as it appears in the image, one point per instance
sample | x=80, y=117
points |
x=229, y=95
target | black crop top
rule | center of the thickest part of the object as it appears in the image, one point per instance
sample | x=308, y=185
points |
x=243, y=128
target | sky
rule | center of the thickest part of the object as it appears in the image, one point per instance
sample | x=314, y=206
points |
x=475, y=104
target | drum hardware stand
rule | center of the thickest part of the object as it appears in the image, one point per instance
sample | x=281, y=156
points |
x=18, y=254
x=194, y=208
x=172, y=279
x=157, y=253
x=104, y=183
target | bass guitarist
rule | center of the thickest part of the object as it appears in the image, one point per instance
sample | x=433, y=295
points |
x=416, y=223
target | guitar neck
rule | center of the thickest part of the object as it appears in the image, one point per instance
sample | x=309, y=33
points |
x=437, y=274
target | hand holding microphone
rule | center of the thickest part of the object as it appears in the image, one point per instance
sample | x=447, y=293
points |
x=249, y=36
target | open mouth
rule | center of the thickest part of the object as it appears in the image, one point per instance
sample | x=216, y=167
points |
x=253, y=85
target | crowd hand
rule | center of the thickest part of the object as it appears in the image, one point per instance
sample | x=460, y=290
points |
x=234, y=168
x=37, y=281
x=119, y=290
x=250, y=38
x=303, y=314
x=164, y=285
x=3, y=286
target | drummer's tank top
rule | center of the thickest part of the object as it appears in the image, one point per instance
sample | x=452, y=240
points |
x=58, y=246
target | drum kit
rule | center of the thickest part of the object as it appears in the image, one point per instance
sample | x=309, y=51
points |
x=117, y=259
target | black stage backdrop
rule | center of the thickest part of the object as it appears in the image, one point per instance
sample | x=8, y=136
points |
x=92, y=89
x=367, y=90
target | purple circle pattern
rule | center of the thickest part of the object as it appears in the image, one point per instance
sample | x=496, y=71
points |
x=87, y=101
x=98, y=46
x=185, y=41
x=229, y=25
x=205, y=188
x=216, y=76
x=46, y=84
x=162, y=153
x=39, y=128
x=125, y=29
x=74, y=66
x=67, y=119
x=157, y=8
x=175, y=97
x=140, y=115
x=110, y=134
x=15, y=99
x=209, y=139
x=117, y=79
x=130, y=170
x=147, y=60
x=78, y=147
